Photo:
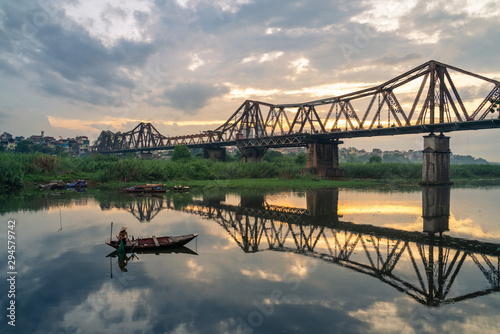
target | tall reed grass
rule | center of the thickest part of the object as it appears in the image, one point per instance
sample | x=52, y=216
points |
x=18, y=169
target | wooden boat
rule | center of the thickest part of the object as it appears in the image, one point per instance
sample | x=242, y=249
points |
x=52, y=185
x=180, y=188
x=147, y=188
x=154, y=242
x=77, y=184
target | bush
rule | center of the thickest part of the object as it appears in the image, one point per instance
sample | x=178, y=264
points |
x=11, y=177
x=181, y=153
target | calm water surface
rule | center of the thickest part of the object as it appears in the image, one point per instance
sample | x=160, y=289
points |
x=316, y=261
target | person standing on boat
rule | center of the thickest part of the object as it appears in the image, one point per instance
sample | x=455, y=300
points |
x=123, y=235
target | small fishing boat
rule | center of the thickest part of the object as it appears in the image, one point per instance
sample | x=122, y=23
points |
x=180, y=188
x=154, y=242
x=77, y=184
x=147, y=188
x=52, y=185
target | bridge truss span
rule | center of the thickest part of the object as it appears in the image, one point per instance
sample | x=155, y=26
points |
x=431, y=97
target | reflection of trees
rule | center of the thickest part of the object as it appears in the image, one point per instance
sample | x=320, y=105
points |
x=146, y=207
x=41, y=200
x=142, y=207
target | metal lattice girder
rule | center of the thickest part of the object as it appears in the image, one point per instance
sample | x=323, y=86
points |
x=396, y=103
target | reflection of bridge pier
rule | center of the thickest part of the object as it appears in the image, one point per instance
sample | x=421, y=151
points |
x=252, y=202
x=436, y=209
x=322, y=204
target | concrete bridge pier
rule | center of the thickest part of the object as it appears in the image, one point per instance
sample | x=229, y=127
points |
x=436, y=160
x=218, y=153
x=323, y=160
x=146, y=155
x=252, y=154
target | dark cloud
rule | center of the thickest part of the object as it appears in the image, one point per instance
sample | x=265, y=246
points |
x=141, y=18
x=55, y=85
x=392, y=59
x=65, y=58
x=110, y=13
x=72, y=63
x=8, y=68
x=192, y=96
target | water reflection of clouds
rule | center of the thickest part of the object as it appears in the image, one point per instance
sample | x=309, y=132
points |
x=65, y=276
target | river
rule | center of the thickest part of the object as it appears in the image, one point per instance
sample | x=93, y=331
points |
x=296, y=261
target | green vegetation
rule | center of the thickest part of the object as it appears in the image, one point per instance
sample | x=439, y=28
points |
x=382, y=171
x=19, y=170
x=26, y=146
x=181, y=153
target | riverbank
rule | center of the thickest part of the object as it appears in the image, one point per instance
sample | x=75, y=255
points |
x=26, y=170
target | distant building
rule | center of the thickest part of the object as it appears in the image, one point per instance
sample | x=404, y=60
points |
x=83, y=143
x=6, y=136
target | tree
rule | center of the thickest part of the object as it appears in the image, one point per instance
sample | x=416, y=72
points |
x=375, y=159
x=181, y=152
x=23, y=146
x=301, y=159
x=272, y=156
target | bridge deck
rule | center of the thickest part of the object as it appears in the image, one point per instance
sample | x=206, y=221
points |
x=301, y=139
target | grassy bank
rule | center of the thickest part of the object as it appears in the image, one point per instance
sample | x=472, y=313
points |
x=21, y=170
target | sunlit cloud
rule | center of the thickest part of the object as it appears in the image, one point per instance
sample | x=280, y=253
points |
x=298, y=67
x=108, y=297
x=384, y=209
x=116, y=123
x=385, y=13
x=111, y=20
x=383, y=318
x=248, y=92
x=261, y=274
x=196, y=62
x=262, y=58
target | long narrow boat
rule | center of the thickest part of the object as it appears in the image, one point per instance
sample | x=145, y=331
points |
x=147, y=188
x=155, y=242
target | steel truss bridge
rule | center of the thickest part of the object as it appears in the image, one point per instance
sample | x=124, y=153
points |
x=423, y=266
x=422, y=100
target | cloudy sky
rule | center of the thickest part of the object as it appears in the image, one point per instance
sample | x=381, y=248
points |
x=78, y=67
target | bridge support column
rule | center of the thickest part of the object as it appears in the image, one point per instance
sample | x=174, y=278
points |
x=218, y=153
x=146, y=155
x=436, y=160
x=436, y=208
x=252, y=154
x=323, y=160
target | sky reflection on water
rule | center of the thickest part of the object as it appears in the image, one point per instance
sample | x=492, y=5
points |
x=338, y=261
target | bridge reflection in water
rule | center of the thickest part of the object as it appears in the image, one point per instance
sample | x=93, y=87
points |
x=423, y=265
